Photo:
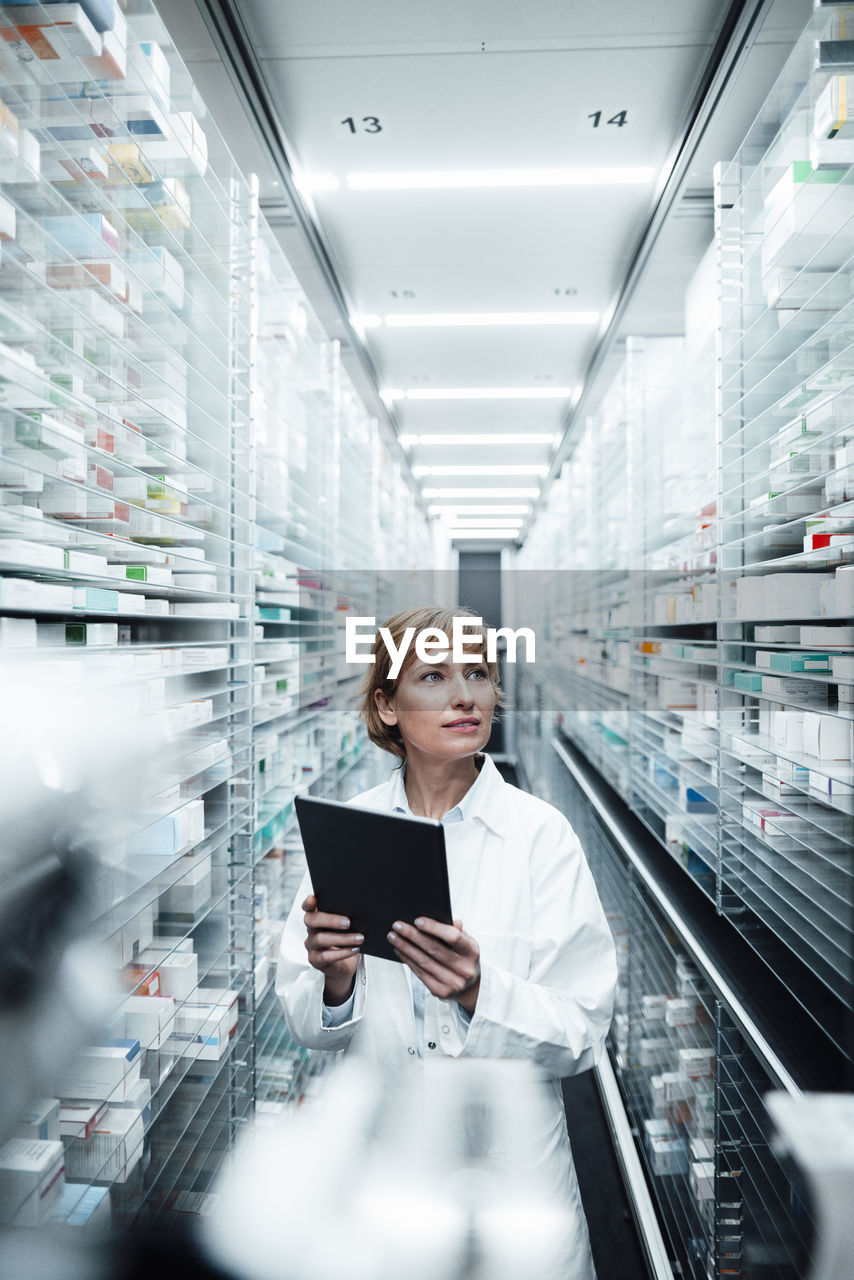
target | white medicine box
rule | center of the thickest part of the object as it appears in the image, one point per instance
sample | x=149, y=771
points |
x=32, y=1175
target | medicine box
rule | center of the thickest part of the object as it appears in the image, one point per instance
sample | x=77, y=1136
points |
x=179, y=971
x=32, y=1174
x=172, y=834
x=681, y=1012
x=41, y=1121
x=668, y=1155
x=842, y=667
x=112, y=1151
x=676, y=1086
x=81, y=1119
x=827, y=737
x=696, y=1062
x=191, y=893
x=790, y=662
x=788, y=731
x=702, y=1179
x=102, y=1071
x=653, y=1008
x=221, y=996
x=202, y=1031
x=824, y=637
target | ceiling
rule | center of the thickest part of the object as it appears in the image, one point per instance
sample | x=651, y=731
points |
x=438, y=96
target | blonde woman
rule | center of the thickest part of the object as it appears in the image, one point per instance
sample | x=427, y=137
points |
x=528, y=969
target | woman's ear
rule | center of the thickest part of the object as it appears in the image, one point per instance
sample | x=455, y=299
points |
x=385, y=707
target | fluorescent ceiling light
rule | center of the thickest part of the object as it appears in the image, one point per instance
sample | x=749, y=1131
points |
x=479, y=437
x=489, y=393
x=455, y=319
x=507, y=534
x=310, y=183
x=447, y=179
x=480, y=493
x=489, y=524
x=479, y=509
x=365, y=322
x=390, y=394
x=480, y=471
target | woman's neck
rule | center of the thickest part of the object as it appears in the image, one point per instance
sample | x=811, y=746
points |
x=434, y=787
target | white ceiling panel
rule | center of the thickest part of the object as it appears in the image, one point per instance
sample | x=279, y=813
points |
x=502, y=110
x=285, y=28
x=523, y=283
x=405, y=227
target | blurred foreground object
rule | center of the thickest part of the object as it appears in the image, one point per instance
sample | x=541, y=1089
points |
x=62, y=780
x=817, y=1131
x=71, y=755
x=327, y=1189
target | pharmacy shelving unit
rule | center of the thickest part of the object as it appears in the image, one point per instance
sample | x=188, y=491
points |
x=673, y=606
x=691, y=1060
x=127, y=543
x=740, y=499
x=786, y=245
x=169, y=415
x=575, y=589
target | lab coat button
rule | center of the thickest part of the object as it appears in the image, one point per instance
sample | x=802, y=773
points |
x=432, y=1044
x=446, y=1030
x=410, y=1050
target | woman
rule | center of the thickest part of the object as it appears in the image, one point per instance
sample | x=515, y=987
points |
x=529, y=968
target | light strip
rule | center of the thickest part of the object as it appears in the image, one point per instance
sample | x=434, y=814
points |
x=480, y=493
x=309, y=183
x=486, y=393
x=483, y=517
x=478, y=437
x=499, y=524
x=453, y=319
x=507, y=534
x=480, y=471
x=479, y=509
x=459, y=179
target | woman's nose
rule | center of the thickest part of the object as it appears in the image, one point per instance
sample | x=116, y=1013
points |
x=461, y=692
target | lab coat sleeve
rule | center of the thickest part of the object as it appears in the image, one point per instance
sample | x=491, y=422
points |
x=300, y=987
x=557, y=1016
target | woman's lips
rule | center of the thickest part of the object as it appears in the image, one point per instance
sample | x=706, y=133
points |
x=463, y=726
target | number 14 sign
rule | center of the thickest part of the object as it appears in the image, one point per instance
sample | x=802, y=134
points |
x=606, y=122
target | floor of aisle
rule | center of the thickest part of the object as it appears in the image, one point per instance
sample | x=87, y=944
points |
x=613, y=1239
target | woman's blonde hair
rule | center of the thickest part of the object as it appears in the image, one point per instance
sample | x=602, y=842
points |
x=377, y=677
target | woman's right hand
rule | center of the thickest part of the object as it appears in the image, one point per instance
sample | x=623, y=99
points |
x=331, y=950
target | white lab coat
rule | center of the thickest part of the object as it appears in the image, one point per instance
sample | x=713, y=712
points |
x=521, y=885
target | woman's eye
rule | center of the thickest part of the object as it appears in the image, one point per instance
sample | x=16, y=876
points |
x=429, y=675
x=479, y=673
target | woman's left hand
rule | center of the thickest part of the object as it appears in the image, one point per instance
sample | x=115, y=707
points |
x=445, y=958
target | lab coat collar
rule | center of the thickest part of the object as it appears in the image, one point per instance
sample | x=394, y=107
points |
x=486, y=799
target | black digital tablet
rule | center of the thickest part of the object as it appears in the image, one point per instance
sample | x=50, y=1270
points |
x=374, y=868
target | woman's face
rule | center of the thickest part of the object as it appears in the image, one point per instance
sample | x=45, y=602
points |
x=442, y=709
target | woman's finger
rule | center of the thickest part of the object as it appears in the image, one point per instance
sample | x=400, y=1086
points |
x=323, y=959
x=451, y=934
x=420, y=958
x=321, y=941
x=325, y=920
